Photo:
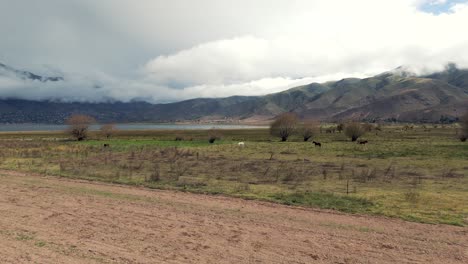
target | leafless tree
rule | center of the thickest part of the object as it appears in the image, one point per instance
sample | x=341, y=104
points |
x=108, y=130
x=78, y=126
x=284, y=126
x=354, y=130
x=463, y=133
x=309, y=129
x=213, y=135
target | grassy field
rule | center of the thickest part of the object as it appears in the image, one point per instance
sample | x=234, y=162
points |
x=418, y=174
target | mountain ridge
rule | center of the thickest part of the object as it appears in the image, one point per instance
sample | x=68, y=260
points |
x=397, y=95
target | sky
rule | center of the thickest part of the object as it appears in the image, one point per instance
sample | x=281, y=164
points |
x=165, y=51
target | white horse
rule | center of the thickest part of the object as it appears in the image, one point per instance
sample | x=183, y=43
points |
x=241, y=144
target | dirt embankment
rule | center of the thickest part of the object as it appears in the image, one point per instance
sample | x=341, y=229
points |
x=51, y=220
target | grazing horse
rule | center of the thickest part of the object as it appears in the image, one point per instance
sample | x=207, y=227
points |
x=106, y=145
x=317, y=144
x=241, y=144
x=363, y=142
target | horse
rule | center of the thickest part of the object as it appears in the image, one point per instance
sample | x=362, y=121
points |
x=317, y=144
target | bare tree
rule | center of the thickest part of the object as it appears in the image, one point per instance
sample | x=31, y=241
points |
x=213, y=135
x=284, y=126
x=309, y=129
x=463, y=133
x=108, y=130
x=78, y=126
x=354, y=131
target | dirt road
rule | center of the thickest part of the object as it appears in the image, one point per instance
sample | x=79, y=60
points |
x=52, y=220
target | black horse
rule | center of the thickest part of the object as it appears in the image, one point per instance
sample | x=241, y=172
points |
x=317, y=144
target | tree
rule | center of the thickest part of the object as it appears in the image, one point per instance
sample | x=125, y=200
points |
x=308, y=129
x=108, y=130
x=284, y=126
x=463, y=134
x=354, y=131
x=213, y=135
x=78, y=126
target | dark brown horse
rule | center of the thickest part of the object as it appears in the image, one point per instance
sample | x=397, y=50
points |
x=317, y=144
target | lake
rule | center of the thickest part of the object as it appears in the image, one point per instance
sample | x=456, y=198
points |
x=48, y=127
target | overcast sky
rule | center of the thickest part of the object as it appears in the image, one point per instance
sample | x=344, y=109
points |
x=161, y=50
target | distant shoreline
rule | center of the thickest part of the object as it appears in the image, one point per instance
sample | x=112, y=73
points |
x=30, y=127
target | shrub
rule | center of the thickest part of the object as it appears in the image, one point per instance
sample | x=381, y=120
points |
x=462, y=136
x=340, y=127
x=408, y=127
x=354, y=131
x=330, y=130
x=78, y=126
x=284, y=126
x=155, y=174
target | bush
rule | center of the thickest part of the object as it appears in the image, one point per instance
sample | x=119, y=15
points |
x=155, y=174
x=462, y=136
x=78, y=126
x=340, y=127
x=284, y=126
x=354, y=131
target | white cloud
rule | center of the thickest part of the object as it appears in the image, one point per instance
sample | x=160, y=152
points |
x=163, y=51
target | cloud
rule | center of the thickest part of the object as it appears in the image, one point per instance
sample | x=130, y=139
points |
x=438, y=7
x=162, y=51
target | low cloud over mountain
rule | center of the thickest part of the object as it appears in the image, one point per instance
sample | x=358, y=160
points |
x=397, y=95
x=160, y=51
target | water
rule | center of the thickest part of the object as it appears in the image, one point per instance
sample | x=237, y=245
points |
x=47, y=127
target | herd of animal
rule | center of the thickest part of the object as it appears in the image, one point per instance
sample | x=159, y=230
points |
x=242, y=144
x=317, y=144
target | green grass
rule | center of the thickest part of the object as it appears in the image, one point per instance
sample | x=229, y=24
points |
x=40, y=244
x=24, y=237
x=414, y=175
x=123, y=144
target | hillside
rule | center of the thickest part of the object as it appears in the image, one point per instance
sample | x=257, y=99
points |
x=392, y=96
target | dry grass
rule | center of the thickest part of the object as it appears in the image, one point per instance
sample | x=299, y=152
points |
x=413, y=174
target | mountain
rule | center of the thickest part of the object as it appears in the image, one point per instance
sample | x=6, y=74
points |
x=25, y=75
x=397, y=95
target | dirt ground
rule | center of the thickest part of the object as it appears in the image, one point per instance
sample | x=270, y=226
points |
x=52, y=220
